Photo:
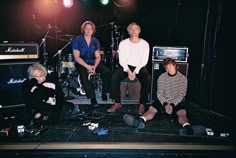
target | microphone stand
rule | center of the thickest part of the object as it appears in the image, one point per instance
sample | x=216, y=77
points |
x=43, y=42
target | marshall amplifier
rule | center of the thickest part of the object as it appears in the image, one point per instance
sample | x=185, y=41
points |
x=158, y=69
x=180, y=54
x=13, y=74
x=9, y=51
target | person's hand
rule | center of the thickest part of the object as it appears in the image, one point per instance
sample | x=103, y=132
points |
x=131, y=75
x=90, y=68
x=38, y=115
x=169, y=109
x=94, y=68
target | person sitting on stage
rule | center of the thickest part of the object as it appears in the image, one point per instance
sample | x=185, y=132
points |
x=43, y=97
x=171, y=91
x=133, y=58
x=86, y=50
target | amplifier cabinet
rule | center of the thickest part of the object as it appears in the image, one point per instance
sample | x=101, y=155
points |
x=158, y=69
x=13, y=74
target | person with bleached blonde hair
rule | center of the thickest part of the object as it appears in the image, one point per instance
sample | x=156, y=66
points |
x=133, y=58
x=42, y=95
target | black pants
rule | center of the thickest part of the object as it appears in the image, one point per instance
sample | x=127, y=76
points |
x=88, y=87
x=119, y=75
x=161, y=109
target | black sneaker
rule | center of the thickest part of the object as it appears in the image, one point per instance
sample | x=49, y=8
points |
x=94, y=103
x=188, y=130
x=131, y=121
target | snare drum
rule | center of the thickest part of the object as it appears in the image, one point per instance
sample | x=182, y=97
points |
x=68, y=61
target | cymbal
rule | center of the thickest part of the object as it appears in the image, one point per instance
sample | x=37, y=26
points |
x=65, y=37
x=114, y=27
x=47, y=27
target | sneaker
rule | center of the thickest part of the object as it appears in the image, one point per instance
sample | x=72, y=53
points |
x=188, y=130
x=131, y=121
x=114, y=107
x=141, y=109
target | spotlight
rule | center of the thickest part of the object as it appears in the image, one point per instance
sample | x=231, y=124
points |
x=68, y=3
x=104, y=2
x=123, y=3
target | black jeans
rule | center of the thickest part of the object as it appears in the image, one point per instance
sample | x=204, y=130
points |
x=119, y=75
x=88, y=86
x=161, y=109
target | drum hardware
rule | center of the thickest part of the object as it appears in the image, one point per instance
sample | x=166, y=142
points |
x=68, y=88
x=95, y=79
x=80, y=89
x=65, y=37
x=60, y=51
x=58, y=54
x=45, y=54
x=115, y=38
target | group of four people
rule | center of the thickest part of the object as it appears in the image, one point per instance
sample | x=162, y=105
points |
x=133, y=58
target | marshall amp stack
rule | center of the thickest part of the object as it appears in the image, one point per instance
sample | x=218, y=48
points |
x=15, y=58
x=159, y=53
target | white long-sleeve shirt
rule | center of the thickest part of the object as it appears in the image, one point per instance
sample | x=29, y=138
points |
x=133, y=54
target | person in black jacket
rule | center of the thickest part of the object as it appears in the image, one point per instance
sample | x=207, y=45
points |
x=43, y=97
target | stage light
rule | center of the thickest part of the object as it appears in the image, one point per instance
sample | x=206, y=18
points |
x=123, y=3
x=104, y=2
x=68, y=3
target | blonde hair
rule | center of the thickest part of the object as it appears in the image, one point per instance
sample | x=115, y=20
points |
x=38, y=67
x=90, y=23
x=131, y=24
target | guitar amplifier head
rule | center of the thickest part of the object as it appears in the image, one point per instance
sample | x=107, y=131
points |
x=11, y=51
x=180, y=54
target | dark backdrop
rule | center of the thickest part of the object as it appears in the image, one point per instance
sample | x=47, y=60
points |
x=206, y=27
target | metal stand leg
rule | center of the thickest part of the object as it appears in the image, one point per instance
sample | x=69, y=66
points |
x=68, y=97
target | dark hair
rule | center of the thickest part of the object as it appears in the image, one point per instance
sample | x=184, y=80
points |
x=169, y=61
x=88, y=22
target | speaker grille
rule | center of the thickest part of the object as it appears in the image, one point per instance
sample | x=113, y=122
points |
x=158, y=69
x=13, y=74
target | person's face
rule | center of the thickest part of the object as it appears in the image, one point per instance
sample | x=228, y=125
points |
x=88, y=30
x=134, y=31
x=39, y=76
x=171, y=69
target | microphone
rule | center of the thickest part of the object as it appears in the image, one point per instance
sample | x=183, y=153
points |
x=127, y=91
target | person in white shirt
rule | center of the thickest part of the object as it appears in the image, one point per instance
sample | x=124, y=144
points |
x=133, y=58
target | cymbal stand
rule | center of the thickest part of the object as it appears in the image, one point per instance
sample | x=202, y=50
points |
x=114, y=45
x=45, y=54
x=59, y=58
x=60, y=51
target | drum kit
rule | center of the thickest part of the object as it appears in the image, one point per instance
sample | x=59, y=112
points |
x=65, y=69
